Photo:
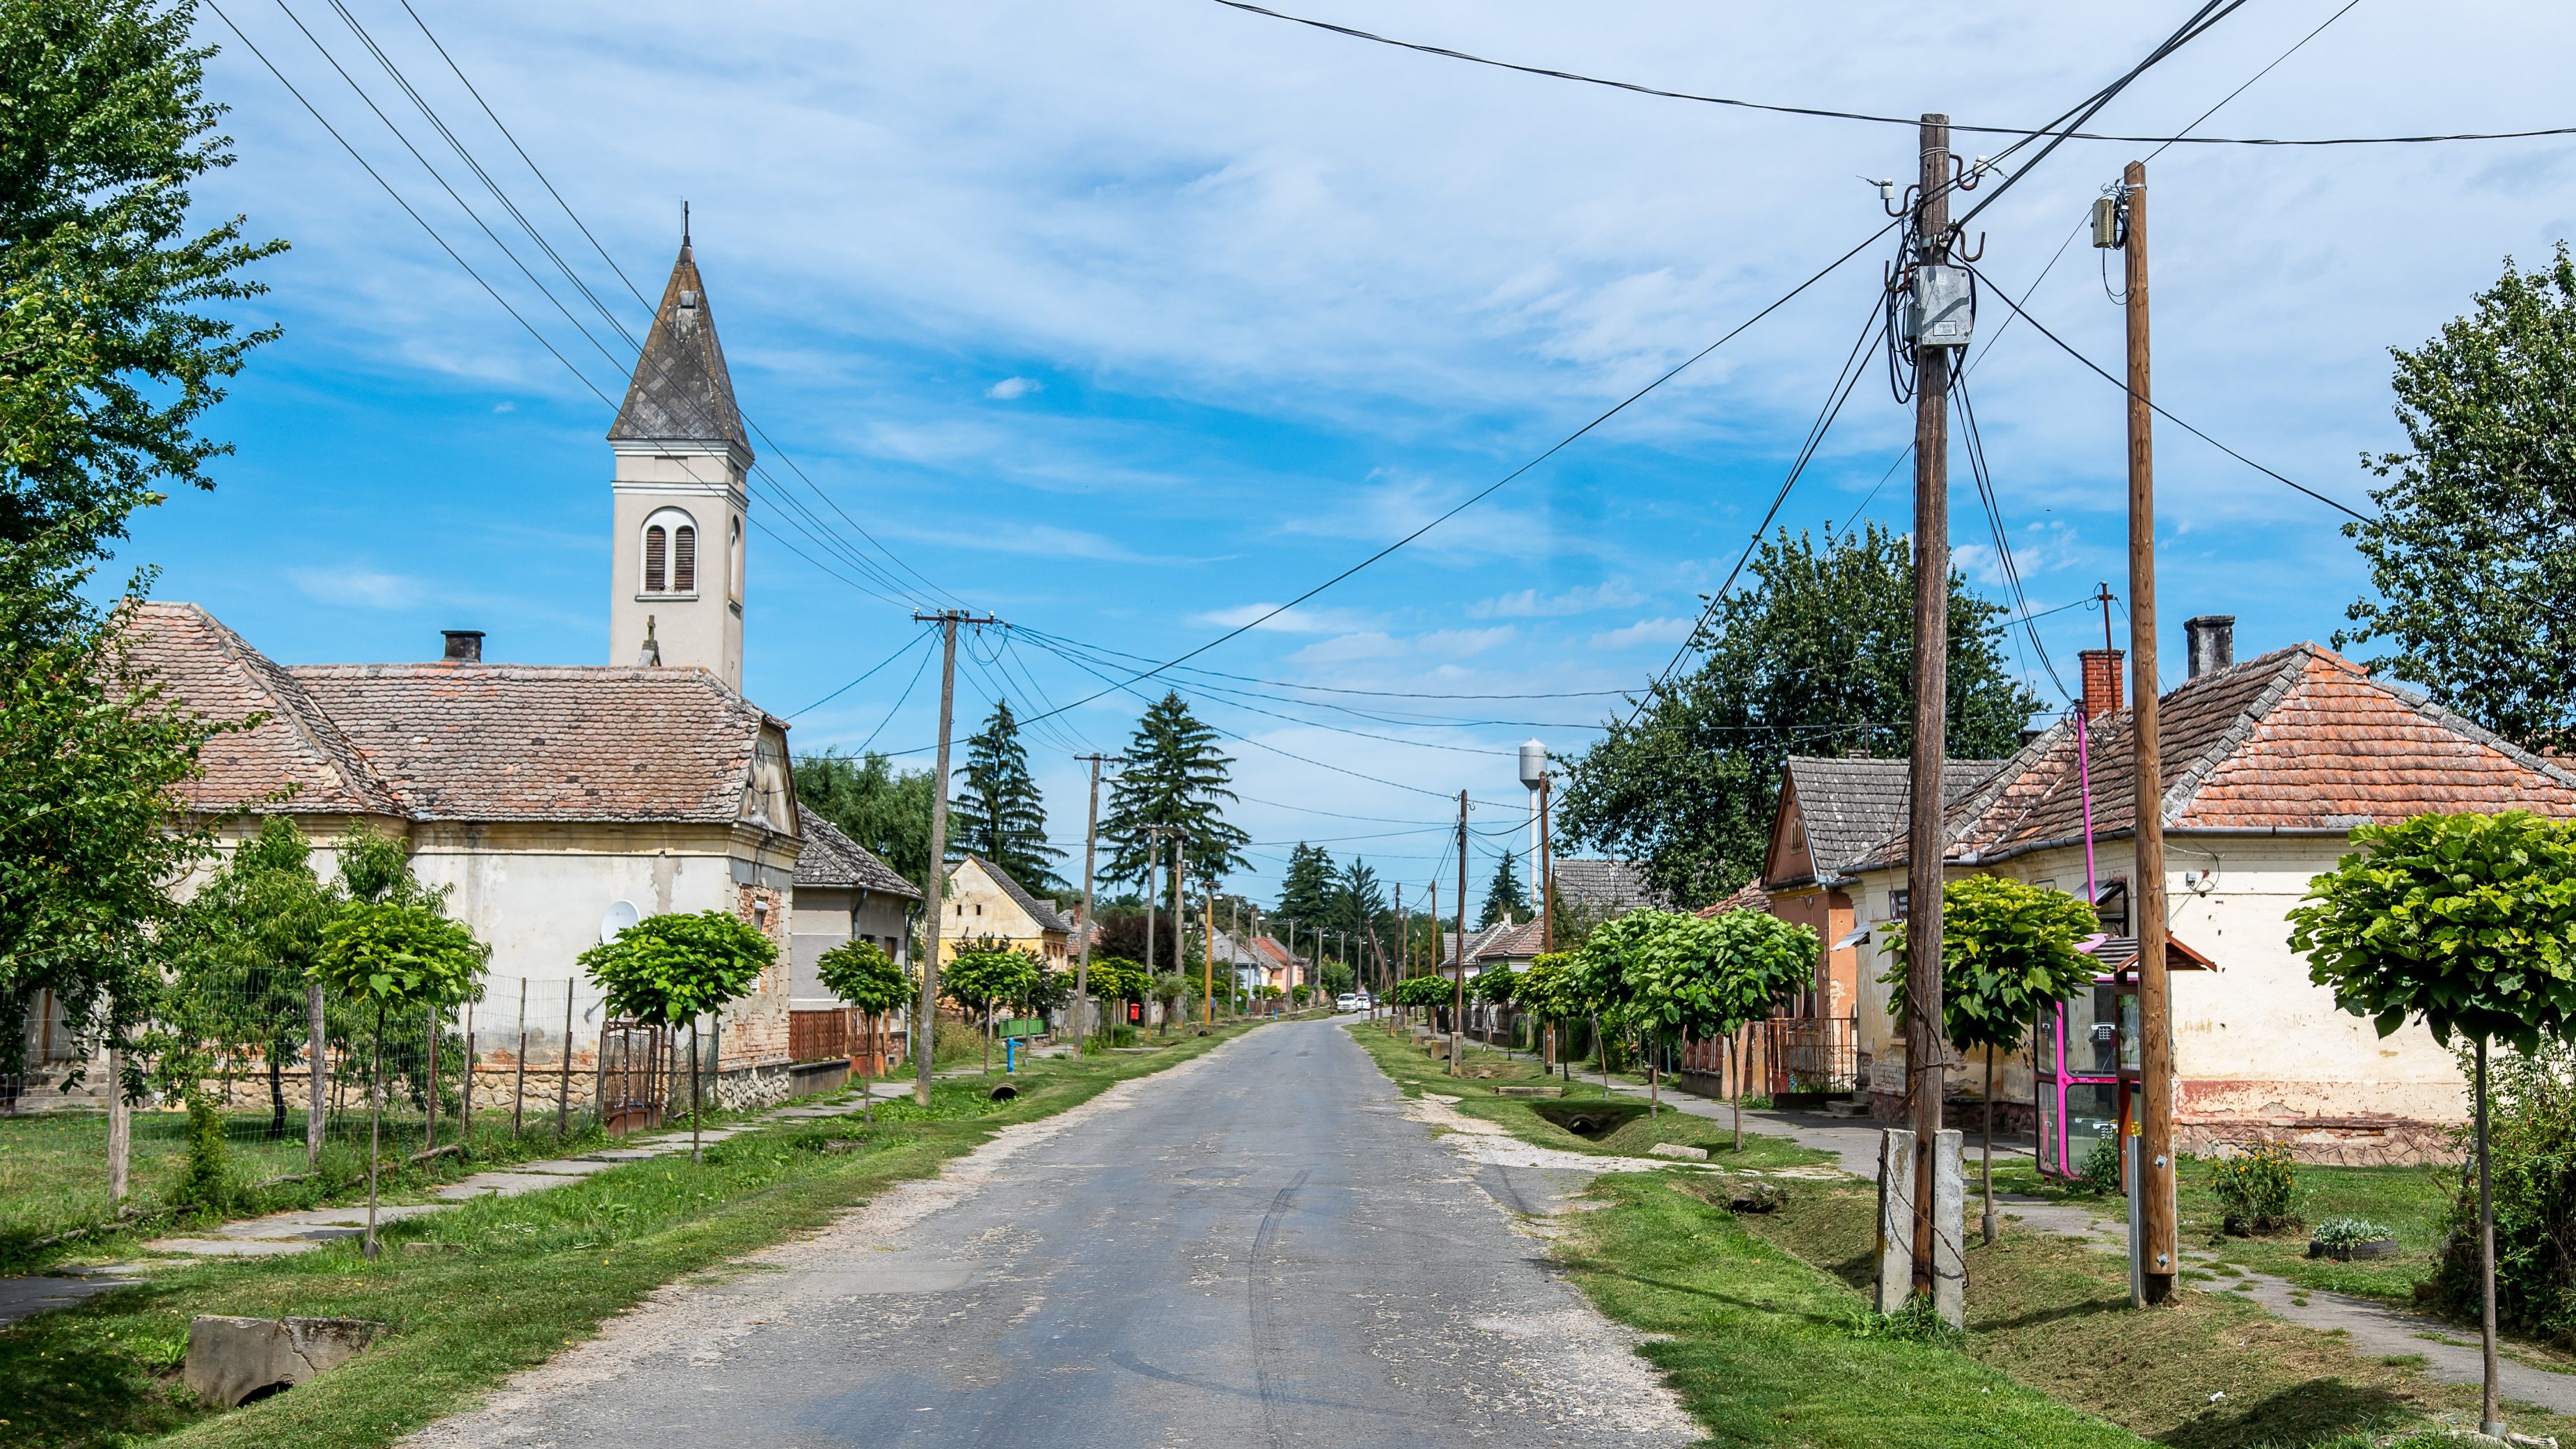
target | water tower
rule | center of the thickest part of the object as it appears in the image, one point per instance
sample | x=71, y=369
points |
x=1533, y=777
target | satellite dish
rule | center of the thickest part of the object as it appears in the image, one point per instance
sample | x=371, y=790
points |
x=621, y=914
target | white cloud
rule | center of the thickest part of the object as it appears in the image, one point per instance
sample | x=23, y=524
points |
x=1010, y=388
x=356, y=587
x=1440, y=644
x=1644, y=631
x=1293, y=621
x=1527, y=604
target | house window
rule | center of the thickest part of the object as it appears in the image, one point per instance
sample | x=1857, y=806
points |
x=656, y=545
x=1898, y=901
x=684, y=559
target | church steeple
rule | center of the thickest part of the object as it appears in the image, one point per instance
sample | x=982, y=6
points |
x=676, y=581
x=681, y=389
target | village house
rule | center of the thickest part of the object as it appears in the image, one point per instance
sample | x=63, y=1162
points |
x=2267, y=767
x=555, y=804
x=987, y=909
x=844, y=893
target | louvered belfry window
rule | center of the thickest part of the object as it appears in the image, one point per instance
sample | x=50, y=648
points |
x=655, y=545
x=684, y=560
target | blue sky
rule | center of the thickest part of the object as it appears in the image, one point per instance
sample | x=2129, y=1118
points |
x=1121, y=321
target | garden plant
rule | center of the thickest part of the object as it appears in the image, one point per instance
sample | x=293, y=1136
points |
x=667, y=969
x=862, y=974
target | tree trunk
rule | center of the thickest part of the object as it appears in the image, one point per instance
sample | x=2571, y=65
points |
x=1735, y=1060
x=120, y=1128
x=695, y=1154
x=276, y=1090
x=375, y=1127
x=2491, y=1415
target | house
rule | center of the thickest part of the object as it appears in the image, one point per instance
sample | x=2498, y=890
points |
x=986, y=908
x=555, y=804
x=2266, y=768
x=1477, y=941
x=843, y=893
x=1592, y=890
x=1256, y=960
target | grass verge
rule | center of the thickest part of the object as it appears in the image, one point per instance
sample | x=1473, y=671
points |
x=496, y=1286
x=1761, y=1326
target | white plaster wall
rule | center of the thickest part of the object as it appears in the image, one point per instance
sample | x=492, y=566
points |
x=704, y=630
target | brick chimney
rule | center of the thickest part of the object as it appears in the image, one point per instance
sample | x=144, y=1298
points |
x=2211, y=642
x=464, y=646
x=2101, y=682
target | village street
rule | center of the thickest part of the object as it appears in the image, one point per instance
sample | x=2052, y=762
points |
x=1260, y=1246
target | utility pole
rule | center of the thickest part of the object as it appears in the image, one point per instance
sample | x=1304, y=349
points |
x=1180, y=909
x=1546, y=875
x=1926, y=1049
x=2155, y=1185
x=935, y=890
x=1090, y=849
x=1207, y=960
x=1153, y=889
x=1458, y=1011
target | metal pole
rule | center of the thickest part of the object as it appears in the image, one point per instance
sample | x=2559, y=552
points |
x=429, y=1130
x=1458, y=1010
x=935, y=889
x=1546, y=873
x=1082, y=966
x=2155, y=1003
x=1926, y=1057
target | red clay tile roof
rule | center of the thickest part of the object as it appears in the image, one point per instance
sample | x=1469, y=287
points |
x=1748, y=897
x=546, y=742
x=2300, y=739
x=1514, y=943
x=831, y=858
x=207, y=669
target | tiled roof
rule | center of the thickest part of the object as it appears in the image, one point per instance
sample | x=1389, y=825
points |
x=1614, y=885
x=2299, y=740
x=1852, y=806
x=1749, y=896
x=1477, y=940
x=681, y=389
x=545, y=742
x=207, y=669
x=1514, y=943
x=831, y=858
x=1039, y=911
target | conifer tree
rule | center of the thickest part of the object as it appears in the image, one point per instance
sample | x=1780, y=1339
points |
x=1306, y=894
x=1001, y=816
x=1175, y=779
x=1504, y=898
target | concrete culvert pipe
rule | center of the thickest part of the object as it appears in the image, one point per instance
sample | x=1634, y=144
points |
x=1004, y=1093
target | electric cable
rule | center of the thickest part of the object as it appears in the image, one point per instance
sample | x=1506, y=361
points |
x=906, y=647
x=1827, y=113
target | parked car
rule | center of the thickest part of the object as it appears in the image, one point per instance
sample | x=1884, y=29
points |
x=1347, y=1001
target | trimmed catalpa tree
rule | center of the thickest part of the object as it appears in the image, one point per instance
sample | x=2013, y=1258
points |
x=981, y=980
x=667, y=969
x=862, y=974
x=2467, y=923
x=396, y=957
x=2007, y=955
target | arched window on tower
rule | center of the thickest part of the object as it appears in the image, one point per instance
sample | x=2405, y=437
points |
x=670, y=552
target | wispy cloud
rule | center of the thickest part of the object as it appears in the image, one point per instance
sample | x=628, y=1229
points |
x=1644, y=631
x=1377, y=644
x=1291, y=621
x=1010, y=388
x=356, y=587
x=1529, y=604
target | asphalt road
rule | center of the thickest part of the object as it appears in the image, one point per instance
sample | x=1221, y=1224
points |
x=1259, y=1247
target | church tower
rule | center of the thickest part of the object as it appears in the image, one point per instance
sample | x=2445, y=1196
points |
x=676, y=586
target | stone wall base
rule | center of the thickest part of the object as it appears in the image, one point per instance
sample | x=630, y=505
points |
x=2339, y=1144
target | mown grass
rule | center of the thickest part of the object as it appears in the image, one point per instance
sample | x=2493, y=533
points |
x=499, y=1285
x=1768, y=1342
x=2411, y=1200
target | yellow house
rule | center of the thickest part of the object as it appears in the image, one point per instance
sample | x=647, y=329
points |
x=985, y=905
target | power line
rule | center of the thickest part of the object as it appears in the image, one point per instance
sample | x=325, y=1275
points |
x=2162, y=412
x=906, y=647
x=1909, y=122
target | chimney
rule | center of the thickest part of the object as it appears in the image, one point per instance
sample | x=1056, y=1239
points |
x=2101, y=682
x=2212, y=642
x=464, y=646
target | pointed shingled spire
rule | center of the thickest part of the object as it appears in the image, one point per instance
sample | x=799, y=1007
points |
x=681, y=390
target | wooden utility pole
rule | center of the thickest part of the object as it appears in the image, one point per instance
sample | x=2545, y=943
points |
x=1180, y=910
x=925, y=1041
x=1090, y=850
x=1207, y=960
x=2155, y=1187
x=1926, y=1049
x=1546, y=875
x=1458, y=1011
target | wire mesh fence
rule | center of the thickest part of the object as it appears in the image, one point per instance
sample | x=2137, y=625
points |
x=534, y=1057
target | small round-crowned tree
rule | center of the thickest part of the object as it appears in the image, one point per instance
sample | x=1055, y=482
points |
x=2007, y=954
x=2468, y=923
x=396, y=956
x=669, y=969
x=980, y=980
x=862, y=974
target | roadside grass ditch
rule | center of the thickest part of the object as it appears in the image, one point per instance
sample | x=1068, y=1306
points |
x=1759, y=1321
x=496, y=1285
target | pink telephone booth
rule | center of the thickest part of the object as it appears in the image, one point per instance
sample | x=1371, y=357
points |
x=2086, y=1052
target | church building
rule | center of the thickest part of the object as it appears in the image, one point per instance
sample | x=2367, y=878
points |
x=558, y=802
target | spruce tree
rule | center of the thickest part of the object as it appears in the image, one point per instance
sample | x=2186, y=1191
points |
x=1174, y=779
x=1306, y=894
x=1504, y=898
x=1001, y=816
x=1359, y=901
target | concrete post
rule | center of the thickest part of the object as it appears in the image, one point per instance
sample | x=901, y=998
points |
x=1895, y=1219
x=1949, y=1207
